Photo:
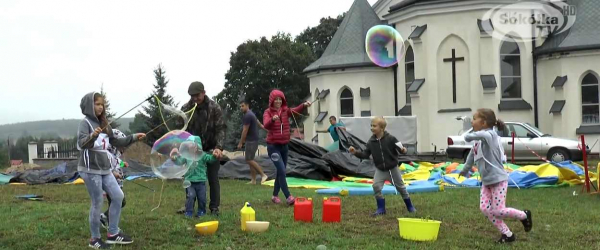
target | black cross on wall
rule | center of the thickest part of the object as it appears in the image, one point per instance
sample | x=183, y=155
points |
x=454, y=59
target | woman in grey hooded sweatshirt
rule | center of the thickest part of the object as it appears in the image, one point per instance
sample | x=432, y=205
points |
x=94, y=137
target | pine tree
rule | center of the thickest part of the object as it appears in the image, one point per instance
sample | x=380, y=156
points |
x=109, y=115
x=152, y=113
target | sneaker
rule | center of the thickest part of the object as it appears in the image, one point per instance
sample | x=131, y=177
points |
x=104, y=221
x=291, y=200
x=214, y=211
x=119, y=238
x=98, y=244
x=200, y=214
x=188, y=215
x=275, y=200
x=506, y=239
x=181, y=210
x=527, y=222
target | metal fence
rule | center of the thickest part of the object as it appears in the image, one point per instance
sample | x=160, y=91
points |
x=62, y=151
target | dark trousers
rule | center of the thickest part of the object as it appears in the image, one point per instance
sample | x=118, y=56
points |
x=280, y=181
x=197, y=191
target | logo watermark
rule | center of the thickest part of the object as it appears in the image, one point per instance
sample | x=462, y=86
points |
x=530, y=20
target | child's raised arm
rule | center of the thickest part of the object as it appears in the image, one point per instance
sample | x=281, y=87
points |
x=360, y=154
x=482, y=135
x=125, y=142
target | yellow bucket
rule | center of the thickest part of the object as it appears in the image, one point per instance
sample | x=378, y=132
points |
x=418, y=229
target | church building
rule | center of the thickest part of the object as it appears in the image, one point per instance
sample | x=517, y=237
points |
x=452, y=65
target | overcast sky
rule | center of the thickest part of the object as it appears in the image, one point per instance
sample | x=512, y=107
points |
x=54, y=52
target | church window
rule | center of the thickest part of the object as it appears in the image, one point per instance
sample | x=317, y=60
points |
x=510, y=69
x=589, y=100
x=409, y=75
x=346, y=103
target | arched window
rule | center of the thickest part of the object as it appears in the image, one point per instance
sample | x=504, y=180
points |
x=510, y=69
x=346, y=103
x=589, y=100
x=409, y=66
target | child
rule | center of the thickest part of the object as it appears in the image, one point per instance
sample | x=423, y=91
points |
x=196, y=175
x=487, y=153
x=94, y=137
x=384, y=149
x=276, y=121
x=116, y=167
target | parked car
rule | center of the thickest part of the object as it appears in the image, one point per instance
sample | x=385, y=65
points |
x=554, y=149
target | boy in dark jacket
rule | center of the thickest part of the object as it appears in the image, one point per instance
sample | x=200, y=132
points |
x=384, y=149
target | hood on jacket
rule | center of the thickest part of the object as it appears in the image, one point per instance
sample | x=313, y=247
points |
x=195, y=139
x=274, y=94
x=87, y=107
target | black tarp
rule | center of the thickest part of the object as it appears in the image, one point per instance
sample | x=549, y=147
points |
x=342, y=163
x=60, y=174
x=297, y=166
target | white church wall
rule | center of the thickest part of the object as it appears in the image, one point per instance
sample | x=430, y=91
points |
x=380, y=81
x=482, y=57
x=576, y=66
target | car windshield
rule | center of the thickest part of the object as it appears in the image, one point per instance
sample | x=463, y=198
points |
x=537, y=130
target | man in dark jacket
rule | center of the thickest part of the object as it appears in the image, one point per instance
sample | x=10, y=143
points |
x=207, y=123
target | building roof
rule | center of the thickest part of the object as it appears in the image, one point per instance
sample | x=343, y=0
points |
x=347, y=47
x=407, y=3
x=583, y=35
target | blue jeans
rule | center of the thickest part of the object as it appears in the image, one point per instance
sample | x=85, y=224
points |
x=197, y=191
x=280, y=182
x=95, y=183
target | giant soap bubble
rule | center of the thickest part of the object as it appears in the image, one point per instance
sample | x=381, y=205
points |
x=166, y=162
x=384, y=45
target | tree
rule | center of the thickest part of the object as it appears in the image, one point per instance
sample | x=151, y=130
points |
x=20, y=150
x=152, y=112
x=139, y=124
x=3, y=155
x=234, y=130
x=258, y=66
x=317, y=38
x=109, y=115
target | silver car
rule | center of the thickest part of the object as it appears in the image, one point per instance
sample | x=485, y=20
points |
x=526, y=135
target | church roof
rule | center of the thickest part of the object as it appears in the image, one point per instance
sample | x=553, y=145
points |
x=407, y=3
x=584, y=35
x=347, y=47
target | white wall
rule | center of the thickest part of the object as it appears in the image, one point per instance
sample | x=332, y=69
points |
x=381, y=101
x=575, y=66
x=456, y=30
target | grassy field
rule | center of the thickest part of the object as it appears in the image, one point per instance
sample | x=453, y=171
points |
x=561, y=220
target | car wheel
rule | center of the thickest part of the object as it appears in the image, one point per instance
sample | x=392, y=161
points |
x=466, y=154
x=558, y=155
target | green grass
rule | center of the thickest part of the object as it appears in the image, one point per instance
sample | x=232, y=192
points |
x=561, y=220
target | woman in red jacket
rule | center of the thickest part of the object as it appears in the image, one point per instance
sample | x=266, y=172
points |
x=276, y=121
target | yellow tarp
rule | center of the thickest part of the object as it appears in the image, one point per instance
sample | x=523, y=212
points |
x=76, y=182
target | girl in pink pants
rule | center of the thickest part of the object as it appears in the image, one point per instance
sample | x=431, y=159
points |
x=488, y=154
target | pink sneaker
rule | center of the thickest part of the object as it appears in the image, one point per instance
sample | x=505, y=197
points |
x=291, y=200
x=275, y=200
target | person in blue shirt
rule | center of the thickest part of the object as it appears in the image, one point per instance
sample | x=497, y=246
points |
x=331, y=130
